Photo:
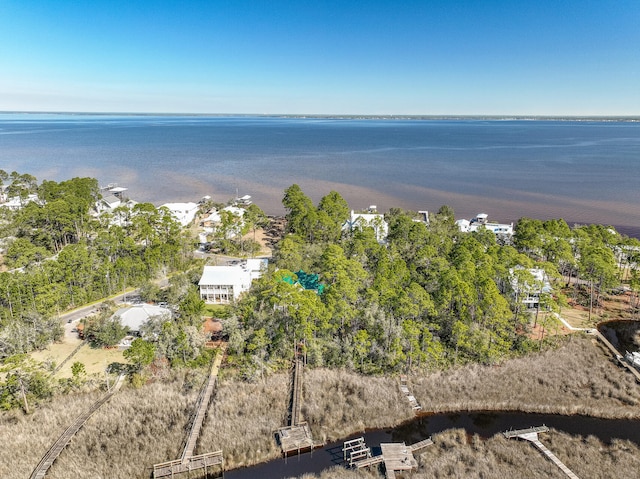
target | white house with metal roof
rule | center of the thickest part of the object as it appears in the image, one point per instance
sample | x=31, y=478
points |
x=224, y=284
x=133, y=317
x=184, y=213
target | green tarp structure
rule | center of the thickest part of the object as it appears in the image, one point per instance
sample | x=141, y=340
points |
x=307, y=281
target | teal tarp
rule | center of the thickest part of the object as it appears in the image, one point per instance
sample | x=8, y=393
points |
x=307, y=281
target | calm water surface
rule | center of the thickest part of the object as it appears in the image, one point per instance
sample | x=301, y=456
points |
x=584, y=171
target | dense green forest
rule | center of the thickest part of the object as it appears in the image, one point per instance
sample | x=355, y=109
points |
x=57, y=255
x=429, y=296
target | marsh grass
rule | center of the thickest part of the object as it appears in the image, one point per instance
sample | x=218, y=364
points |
x=338, y=403
x=458, y=455
x=576, y=378
x=123, y=439
x=242, y=420
x=140, y=427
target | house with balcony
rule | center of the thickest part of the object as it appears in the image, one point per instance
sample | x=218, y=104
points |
x=225, y=284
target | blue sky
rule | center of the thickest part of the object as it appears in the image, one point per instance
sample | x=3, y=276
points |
x=560, y=57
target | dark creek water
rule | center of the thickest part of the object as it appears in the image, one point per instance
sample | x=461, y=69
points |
x=484, y=424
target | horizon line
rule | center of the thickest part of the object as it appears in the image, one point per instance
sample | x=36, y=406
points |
x=328, y=115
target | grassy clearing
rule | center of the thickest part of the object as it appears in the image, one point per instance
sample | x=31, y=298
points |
x=55, y=353
x=95, y=360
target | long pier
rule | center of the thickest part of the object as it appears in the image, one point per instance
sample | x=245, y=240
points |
x=531, y=435
x=296, y=437
x=202, y=405
x=65, y=438
x=188, y=462
x=296, y=402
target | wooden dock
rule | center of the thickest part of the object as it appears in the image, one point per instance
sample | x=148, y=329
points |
x=296, y=437
x=519, y=432
x=192, y=463
x=396, y=457
x=65, y=438
x=531, y=435
x=188, y=462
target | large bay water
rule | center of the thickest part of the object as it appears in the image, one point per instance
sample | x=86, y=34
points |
x=583, y=171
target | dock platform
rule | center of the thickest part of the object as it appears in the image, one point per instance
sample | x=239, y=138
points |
x=192, y=463
x=295, y=439
x=531, y=435
x=396, y=457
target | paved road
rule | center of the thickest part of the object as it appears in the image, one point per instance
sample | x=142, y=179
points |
x=83, y=311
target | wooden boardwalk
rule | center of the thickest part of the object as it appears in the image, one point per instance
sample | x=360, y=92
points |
x=617, y=354
x=297, y=436
x=296, y=402
x=531, y=435
x=189, y=462
x=54, y=451
x=405, y=390
x=421, y=445
x=203, y=404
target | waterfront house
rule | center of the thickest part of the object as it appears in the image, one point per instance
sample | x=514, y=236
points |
x=358, y=221
x=481, y=221
x=184, y=213
x=108, y=203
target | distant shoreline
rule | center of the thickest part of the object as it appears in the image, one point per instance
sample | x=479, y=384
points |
x=612, y=118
